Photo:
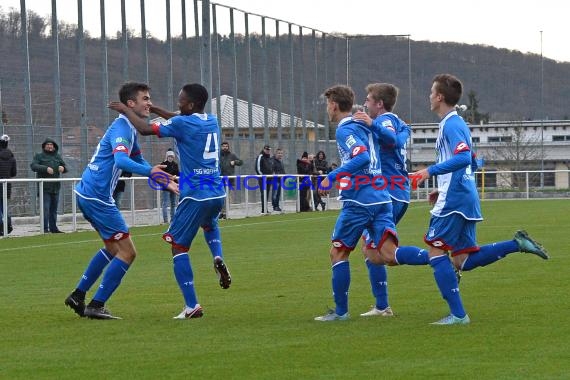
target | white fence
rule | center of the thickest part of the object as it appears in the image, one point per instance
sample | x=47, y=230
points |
x=141, y=205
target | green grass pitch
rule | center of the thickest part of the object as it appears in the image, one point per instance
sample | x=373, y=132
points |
x=263, y=328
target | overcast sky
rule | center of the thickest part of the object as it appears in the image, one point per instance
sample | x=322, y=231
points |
x=513, y=25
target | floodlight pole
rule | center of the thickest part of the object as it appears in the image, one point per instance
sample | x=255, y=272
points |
x=541, y=115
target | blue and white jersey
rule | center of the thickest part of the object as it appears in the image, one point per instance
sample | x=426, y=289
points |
x=393, y=157
x=455, y=178
x=362, y=183
x=101, y=175
x=198, y=144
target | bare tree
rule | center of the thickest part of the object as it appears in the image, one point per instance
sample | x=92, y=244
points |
x=517, y=151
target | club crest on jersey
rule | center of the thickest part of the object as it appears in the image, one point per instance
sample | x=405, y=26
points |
x=350, y=141
x=461, y=147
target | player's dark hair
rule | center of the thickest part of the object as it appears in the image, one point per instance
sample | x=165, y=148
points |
x=385, y=92
x=341, y=95
x=130, y=90
x=197, y=94
x=450, y=87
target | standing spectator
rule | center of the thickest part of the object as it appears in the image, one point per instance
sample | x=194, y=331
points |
x=120, y=189
x=49, y=164
x=228, y=163
x=263, y=167
x=321, y=168
x=167, y=195
x=304, y=166
x=278, y=168
x=7, y=170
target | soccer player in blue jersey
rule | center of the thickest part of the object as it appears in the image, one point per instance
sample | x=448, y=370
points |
x=456, y=204
x=117, y=151
x=202, y=193
x=380, y=101
x=366, y=203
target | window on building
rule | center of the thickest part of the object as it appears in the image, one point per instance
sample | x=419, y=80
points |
x=490, y=179
x=424, y=140
x=476, y=139
x=494, y=139
x=561, y=138
x=534, y=179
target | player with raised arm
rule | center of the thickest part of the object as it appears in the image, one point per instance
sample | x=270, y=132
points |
x=117, y=151
x=201, y=189
x=456, y=208
x=380, y=101
x=365, y=202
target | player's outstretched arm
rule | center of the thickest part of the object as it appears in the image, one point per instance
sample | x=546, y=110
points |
x=162, y=112
x=140, y=124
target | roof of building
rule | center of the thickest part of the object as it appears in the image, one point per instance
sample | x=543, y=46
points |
x=274, y=117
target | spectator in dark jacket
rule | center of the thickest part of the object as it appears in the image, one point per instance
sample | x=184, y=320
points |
x=321, y=168
x=167, y=195
x=278, y=168
x=264, y=167
x=49, y=164
x=304, y=166
x=228, y=163
x=7, y=170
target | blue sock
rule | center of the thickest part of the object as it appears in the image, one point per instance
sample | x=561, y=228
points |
x=111, y=279
x=94, y=269
x=447, y=283
x=185, y=278
x=412, y=256
x=379, y=282
x=489, y=254
x=340, y=285
x=214, y=241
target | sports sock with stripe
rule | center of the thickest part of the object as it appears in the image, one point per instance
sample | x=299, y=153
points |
x=185, y=278
x=378, y=276
x=340, y=285
x=489, y=253
x=111, y=279
x=94, y=269
x=447, y=283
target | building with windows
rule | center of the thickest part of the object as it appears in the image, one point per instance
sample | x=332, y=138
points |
x=508, y=145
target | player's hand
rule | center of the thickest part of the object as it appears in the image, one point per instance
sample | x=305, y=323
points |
x=117, y=106
x=432, y=197
x=419, y=177
x=324, y=187
x=173, y=187
x=363, y=117
x=168, y=181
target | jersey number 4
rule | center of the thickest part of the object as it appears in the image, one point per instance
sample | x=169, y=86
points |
x=208, y=152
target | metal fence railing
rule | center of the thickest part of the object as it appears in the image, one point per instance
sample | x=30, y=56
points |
x=141, y=203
